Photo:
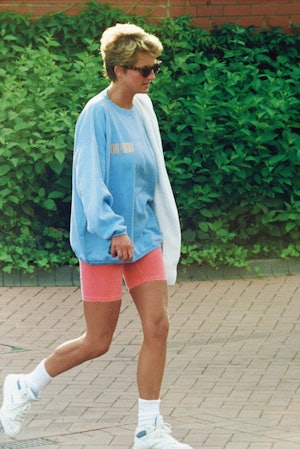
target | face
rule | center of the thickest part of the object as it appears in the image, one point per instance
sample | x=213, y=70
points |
x=134, y=80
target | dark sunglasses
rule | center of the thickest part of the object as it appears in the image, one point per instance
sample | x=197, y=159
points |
x=147, y=69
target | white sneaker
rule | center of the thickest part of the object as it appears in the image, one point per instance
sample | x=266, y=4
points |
x=157, y=437
x=17, y=398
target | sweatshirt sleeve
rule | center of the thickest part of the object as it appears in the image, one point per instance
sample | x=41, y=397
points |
x=91, y=173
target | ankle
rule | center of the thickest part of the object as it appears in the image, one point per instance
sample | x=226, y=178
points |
x=149, y=410
x=38, y=379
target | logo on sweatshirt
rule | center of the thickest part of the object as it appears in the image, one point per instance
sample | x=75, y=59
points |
x=121, y=148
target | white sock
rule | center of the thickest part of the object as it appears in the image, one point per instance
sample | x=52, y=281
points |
x=38, y=378
x=148, y=412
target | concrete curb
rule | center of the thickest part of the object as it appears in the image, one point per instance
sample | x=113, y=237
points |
x=257, y=269
x=69, y=276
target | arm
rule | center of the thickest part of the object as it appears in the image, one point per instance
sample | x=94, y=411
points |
x=90, y=178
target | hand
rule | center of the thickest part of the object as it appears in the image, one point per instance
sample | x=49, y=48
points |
x=122, y=248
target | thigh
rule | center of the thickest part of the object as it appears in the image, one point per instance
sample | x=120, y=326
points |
x=101, y=287
x=101, y=283
x=146, y=280
x=151, y=300
x=147, y=269
x=101, y=319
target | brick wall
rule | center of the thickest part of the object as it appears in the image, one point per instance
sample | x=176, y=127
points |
x=206, y=13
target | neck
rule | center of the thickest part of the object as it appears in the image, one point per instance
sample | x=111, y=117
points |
x=121, y=99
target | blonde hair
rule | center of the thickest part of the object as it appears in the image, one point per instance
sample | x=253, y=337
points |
x=121, y=45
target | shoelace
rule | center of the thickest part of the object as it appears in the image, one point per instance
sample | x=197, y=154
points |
x=164, y=429
x=22, y=407
x=20, y=416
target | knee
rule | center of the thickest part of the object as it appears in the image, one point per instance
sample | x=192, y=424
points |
x=165, y=328
x=94, y=350
x=158, y=329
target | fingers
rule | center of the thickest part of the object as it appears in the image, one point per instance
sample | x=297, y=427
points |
x=124, y=254
x=122, y=248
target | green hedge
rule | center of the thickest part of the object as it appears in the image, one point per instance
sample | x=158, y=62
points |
x=228, y=106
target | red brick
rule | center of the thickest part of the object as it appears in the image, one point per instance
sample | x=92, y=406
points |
x=241, y=10
x=256, y=21
x=202, y=22
x=250, y=2
x=216, y=21
x=23, y=9
x=73, y=10
x=127, y=4
x=176, y=11
x=281, y=13
x=196, y=2
x=141, y=10
x=292, y=9
x=295, y=20
x=210, y=11
x=222, y=2
x=40, y=10
x=277, y=21
x=7, y=8
x=62, y=3
x=34, y=2
x=264, y=10
x=119, y=3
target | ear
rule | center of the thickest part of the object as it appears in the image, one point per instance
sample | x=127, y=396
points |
x=119, y=71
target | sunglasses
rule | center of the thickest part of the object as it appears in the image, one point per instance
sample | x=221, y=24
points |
x=147, y=69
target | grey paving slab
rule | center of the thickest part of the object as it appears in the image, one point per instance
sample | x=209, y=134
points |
x=232, y=375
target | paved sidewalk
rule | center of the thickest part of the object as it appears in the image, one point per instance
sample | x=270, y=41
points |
x=232, y=377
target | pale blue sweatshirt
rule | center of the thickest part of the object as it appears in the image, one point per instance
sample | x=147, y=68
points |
x=114, y=182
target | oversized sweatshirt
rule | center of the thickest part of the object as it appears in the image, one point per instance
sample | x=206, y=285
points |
x=120, y=184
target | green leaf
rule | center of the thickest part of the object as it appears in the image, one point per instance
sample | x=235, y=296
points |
x=4, y=169
x=49, y=204
x=60, y=156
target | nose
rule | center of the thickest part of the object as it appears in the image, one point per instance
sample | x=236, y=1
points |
x=151, y=75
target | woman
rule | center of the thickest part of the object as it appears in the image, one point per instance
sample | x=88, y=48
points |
x=123, y=213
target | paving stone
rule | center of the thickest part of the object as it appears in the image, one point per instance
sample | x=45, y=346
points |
x=232, y=373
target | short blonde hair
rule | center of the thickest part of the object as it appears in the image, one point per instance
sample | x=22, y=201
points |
x=121, y=45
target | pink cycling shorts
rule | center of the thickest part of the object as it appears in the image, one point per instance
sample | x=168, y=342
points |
x=103, y=283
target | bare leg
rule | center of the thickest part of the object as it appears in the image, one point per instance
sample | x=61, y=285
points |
x=151, y=300
x=101, y=320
